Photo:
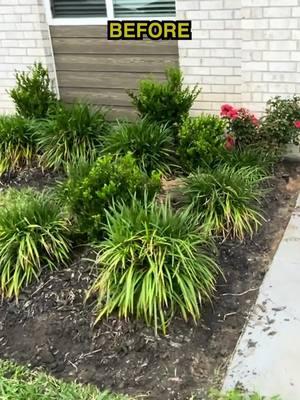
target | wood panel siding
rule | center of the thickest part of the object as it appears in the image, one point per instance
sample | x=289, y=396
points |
x=93, y=69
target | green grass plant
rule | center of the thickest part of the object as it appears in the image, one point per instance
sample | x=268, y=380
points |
x=150, y=143
x=226, y=200
x=34, y=234
x=153, y=263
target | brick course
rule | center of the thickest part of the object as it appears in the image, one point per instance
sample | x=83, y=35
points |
x=247, y=51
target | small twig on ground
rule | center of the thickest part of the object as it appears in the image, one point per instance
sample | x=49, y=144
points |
x=240, y=294
x=73, y=365
x=89, y=354
x=41, y=287
x=228, y=315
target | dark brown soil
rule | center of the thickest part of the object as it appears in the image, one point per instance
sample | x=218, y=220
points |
x=31, y=177
x=50, y=328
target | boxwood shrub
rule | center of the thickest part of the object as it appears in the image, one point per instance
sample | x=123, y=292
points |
x=90, y=189
x=201, y=141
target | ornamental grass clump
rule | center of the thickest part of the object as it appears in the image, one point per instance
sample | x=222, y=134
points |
x=70, y=134
x=150, y=143
x=251, y=157
x=17, y=146
x=153, y=263
x=226, y=200
x=34, y=234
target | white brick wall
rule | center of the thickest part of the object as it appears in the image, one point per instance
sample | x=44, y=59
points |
x=24, y=39
x=243, y=51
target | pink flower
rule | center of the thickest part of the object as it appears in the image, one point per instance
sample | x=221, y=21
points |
x=225, y=109
x=230, y=142
x=233, y=114
x=297, y=124
x=254, y=120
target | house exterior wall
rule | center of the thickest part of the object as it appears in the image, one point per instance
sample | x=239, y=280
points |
x=24, y=39
x=91, y=68
x=242, y=52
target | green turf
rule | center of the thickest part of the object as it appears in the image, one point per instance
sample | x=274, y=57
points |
x=18, y=383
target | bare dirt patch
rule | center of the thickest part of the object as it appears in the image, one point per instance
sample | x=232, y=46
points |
x=51, y=328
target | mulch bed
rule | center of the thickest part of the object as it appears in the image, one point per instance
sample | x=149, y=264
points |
x=51, y=328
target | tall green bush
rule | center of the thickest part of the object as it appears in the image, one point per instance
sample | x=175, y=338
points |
x=33, y=95
x=165, y=102
x=89, y=190
x=153, y=263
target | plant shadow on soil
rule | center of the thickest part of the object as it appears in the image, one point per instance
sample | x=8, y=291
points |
x=50, y=327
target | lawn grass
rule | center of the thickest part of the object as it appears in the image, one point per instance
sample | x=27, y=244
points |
x=19, y=383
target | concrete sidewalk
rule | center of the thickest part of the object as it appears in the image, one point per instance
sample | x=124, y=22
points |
x=267, y=357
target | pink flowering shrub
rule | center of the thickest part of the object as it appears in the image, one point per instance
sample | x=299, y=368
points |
x=243, y=126
x=281, y=123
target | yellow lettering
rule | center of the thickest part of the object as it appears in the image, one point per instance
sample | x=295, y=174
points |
x=184, y=30
x=141, y=29
x=155, y=30
x=114, y=30
x=170, y=30
x=129, y=30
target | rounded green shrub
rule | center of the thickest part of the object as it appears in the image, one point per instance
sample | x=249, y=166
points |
x=201, y=141
x=90, y=189
x=226, y=199
x=70, y=134
x=34, y=234
x=17, y=146
x=153, y=263
x=150, y=143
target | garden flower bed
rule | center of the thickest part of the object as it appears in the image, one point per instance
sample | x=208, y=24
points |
x=131, y=253
x=50, y=328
